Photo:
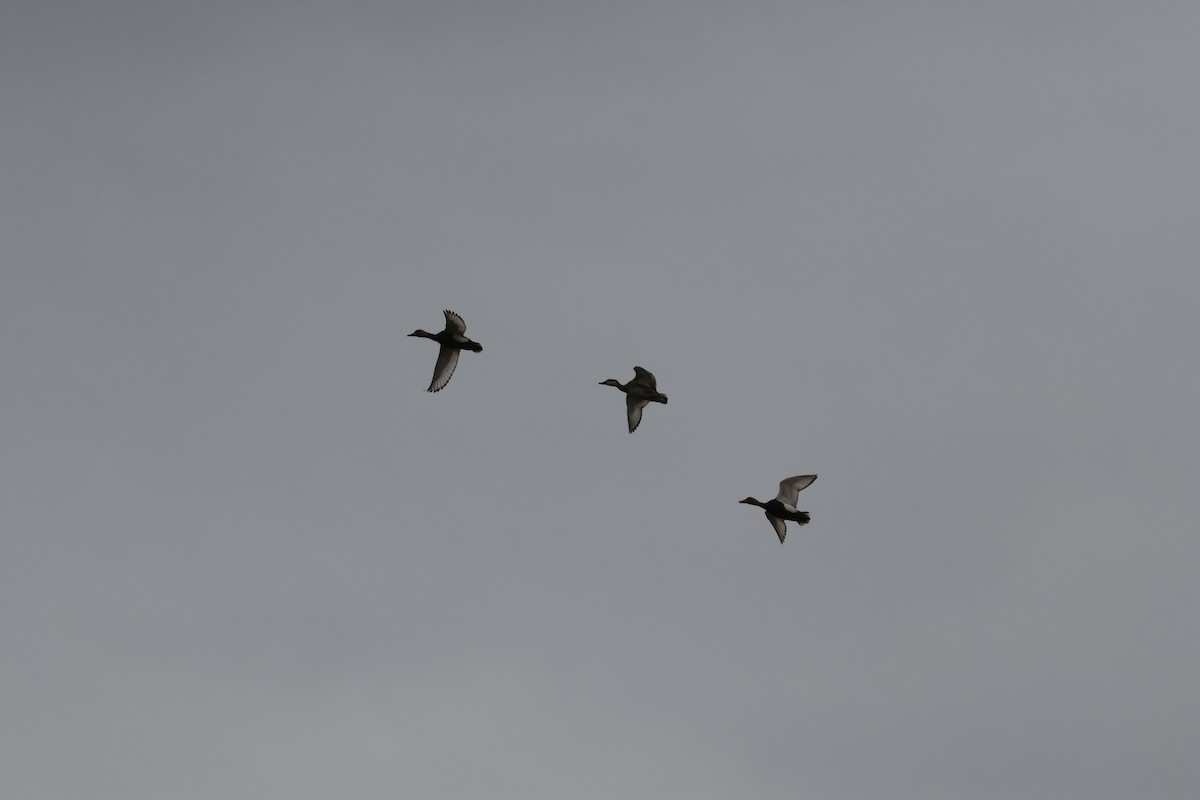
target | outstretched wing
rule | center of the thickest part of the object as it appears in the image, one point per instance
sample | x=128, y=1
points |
x=779, y=525
x=446, y=362
x=454, y=323
x=789, y=489
x=633, y=409
x=643, y=377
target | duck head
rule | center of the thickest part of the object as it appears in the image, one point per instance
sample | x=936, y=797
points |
x=611, y=382
x=751, y=502
x=423, y=333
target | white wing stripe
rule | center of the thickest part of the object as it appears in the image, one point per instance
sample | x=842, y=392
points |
x=789, y=488
x=779, y=525
x=455, y=323
x=446, y=362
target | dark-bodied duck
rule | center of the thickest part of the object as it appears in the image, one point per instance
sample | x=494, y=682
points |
x=641, y=390
x=783, y=507
x=452, y=341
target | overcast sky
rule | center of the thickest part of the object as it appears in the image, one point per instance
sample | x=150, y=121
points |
x=942, y=254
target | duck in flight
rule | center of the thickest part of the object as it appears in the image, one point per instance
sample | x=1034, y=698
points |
x=641, y=390
x=453, y=340
x=783, y=507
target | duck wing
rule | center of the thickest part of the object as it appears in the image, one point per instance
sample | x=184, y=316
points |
x=779, y=525
x=789, y=489
x=447, y=360
x=633, y=410
x=644, y=378
x=454, y=323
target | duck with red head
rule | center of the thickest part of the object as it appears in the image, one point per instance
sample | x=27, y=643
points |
x=783, y=508
x=453, y=340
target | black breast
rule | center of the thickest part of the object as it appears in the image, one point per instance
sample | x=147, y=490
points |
x=776, y=509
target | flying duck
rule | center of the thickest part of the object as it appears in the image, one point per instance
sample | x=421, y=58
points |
x=638, y=392
x=783, y=507
x=452, y=340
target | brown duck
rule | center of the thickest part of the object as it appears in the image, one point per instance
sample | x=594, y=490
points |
x=453, y=340
x=641, y=390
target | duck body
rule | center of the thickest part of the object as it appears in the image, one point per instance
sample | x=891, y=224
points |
x=641, y=390
x=452, y=340
x=782, y=509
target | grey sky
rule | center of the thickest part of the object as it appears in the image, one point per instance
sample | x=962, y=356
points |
x=942, y=254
